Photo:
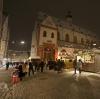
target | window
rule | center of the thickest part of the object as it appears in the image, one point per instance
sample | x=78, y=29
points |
x=52, y=35
x=44, y=33
x=75, y=39
x=67, y=38
x=82, y=41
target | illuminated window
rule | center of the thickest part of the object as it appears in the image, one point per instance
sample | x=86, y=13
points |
x=67, y=38
x=52, y=35
x=44, y=33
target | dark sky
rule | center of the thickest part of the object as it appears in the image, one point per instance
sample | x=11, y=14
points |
x=23, y=13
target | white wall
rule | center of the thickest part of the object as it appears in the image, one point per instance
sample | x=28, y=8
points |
x=48, y=37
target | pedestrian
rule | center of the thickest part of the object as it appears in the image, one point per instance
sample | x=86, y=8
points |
x=55, y=65
x=79, y=65
x=36, y=65
x=31, y=68
x=7, y=65
x=42, y=64
x=75, y=65
x=27, y=68
x=24, y=69
x=20, y=71
x=62, y=64
x=59, y=65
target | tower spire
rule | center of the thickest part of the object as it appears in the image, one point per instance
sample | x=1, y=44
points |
x=69, y=17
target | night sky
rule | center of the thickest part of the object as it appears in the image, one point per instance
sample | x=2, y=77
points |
x=22, y=14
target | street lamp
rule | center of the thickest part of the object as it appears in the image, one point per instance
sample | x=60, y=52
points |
x=22, y=42
x=94, y=44
x=13, y=42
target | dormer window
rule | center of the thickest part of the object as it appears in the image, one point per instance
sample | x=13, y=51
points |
x=44, y=33
x=52, y=35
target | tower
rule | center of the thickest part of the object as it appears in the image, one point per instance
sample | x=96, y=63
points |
x=69, y=17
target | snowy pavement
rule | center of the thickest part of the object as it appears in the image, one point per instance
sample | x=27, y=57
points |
x=51, y=85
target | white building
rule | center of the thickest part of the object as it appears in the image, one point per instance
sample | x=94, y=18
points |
x=5, y=37
x=1, y=10
x=54, y=38
x=1, y=7
x=4, y=33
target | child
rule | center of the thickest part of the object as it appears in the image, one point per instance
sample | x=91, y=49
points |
x=15, y=78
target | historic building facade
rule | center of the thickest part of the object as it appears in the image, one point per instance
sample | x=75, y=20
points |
x=4, y=33
x=53, y=38
x=4, y=36
x=1, y=10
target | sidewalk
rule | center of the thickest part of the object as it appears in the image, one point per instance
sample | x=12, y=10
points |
x=5, y=81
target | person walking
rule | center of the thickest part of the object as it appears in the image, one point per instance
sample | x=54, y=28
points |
x=75, y=65
x=31, y=68
x=20, y=71
x=42, y=64
x=7, y=65
x=24, y=68
x=59, y=66
x=36, y=65
x=79, y=65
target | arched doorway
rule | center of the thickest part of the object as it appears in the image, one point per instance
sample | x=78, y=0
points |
x=49, y=53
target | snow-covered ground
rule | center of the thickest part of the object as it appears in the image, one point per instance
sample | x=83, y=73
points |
x=51, y=85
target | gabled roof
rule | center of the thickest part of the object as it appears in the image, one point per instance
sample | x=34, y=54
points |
x=64, y=24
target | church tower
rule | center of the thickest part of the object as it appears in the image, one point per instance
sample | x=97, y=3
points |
x=69, y=17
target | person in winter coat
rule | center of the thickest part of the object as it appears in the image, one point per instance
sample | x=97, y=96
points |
x=75, y=65
x=79, y=65
x=7, y=65
x=31, y=68
x=20, y=71
x=42, y=64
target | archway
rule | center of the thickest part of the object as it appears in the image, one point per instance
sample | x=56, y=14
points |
x=49, y=53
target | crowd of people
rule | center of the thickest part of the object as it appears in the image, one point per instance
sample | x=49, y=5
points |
x=22, y=69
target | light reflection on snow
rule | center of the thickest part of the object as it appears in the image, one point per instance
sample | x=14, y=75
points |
x=71, y=72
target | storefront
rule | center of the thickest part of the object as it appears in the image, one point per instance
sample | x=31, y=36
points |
x=87, y=56
x=90, y=59
x=67, y=55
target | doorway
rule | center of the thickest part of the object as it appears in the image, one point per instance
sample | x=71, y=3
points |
x=49, y=53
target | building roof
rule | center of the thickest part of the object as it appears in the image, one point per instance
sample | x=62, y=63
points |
x=64, y=24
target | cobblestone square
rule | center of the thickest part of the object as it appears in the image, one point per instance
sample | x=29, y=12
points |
x=51, y=85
